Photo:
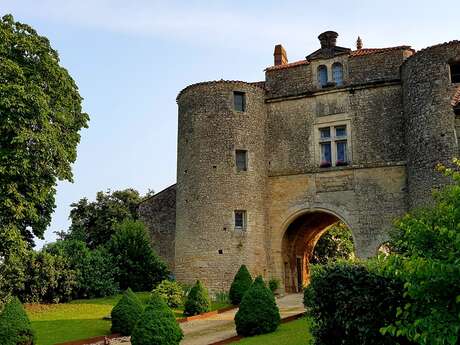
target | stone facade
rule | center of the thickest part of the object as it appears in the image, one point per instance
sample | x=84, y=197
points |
x=394, y=111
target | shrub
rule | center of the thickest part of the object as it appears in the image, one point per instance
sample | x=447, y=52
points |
x=171, y=292
x=336, y=243
x=157, y=325
x=273, y=284
x=15, y=327
x=241, y=283
x=137, y=264
x=197, y=300
x=258, y=312
x=126, y=313
x=348, y=302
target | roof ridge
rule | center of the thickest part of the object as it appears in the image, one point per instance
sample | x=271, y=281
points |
x=288, y=65
x=369, y=51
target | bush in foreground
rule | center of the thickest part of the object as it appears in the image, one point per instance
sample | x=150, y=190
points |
x=171, y=292
x=350, y=303
x=258, y=312
x=15, y=327
x=157, y=325
x=197, y=300
x=126, y=313
x=241, y=283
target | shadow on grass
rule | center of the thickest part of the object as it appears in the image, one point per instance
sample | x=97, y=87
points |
x=59, y=331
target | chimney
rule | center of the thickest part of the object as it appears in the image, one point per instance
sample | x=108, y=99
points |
x=280, y=55
x=359, y=43
x=328, y=39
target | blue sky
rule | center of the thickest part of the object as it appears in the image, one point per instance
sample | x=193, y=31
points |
x=131, y=58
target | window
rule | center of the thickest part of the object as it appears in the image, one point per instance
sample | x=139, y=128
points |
x=337, y=73
x=333, y=146
x=240, y=220
x=322, y=76
x=455, y=72
x=241, y=158
x=239, y=101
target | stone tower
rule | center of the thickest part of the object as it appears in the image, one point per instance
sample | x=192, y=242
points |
x=264, y=168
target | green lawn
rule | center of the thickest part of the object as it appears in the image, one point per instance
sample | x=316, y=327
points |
x=79, y=319
x=290, y=333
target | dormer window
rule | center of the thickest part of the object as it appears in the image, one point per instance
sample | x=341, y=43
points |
x=337, y=73
x=322, y=76
x=455, y=72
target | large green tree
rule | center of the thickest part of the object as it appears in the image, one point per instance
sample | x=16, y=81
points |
x=40, y=121
x=94, y=222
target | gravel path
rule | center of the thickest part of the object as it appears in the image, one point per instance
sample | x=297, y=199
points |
x=221, y=326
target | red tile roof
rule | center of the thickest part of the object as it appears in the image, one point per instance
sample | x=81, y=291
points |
x=288, y=65
x=369, y=51
x=456, y=98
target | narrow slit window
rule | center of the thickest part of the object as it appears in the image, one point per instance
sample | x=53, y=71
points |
x=240, y=219
x=322, y=76
x=241, y=157
x=455, y=72
x=239, y=101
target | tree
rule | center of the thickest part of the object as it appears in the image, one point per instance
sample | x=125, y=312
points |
x=426, y=255
x=157, y=325
x=241, y=283
x=197, y=300
x=126, y=313
x=137, y=264
x=94, y=222
x=258, y=312
x=336, y=243
x=40, y=121
x=15, y=326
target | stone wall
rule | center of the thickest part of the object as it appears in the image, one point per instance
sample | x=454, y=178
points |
x=210, y=189
x=159, y=215
x=429, y=118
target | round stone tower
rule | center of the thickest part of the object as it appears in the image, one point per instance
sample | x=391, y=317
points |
x=220, y=220
x=429, y=117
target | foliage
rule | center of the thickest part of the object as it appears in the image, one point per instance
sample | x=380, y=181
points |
x=13, y=250
x=95, y=222
x=157, y=325
x=49, y=278
x=40, y=120
x=349, y=302
x=137, y=264
x=258, y=312
x=197, y=300
x=336, y=243
x=273, y=284
x=171, y=292
x=241, y=283
x=95, y=272
x=15, y=326
x=221, y=298
x=126, y=313
x=426, y=255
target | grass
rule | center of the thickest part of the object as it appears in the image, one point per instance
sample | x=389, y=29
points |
x=79, y=319
x=290, y=333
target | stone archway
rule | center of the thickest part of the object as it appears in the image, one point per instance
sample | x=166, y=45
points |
x=298, y=243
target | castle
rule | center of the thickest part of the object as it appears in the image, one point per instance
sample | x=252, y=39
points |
x=263, y=168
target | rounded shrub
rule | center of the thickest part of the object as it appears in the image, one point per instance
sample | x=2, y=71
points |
x=349, y=302
x=258, y=312
x=157, y=325
x=241, y=283
x=15, y=327
x=197, y=300
x=273, y=285
x=126, y=313
x=171, y=292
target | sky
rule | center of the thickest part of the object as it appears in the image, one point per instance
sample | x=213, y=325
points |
x=130, y=59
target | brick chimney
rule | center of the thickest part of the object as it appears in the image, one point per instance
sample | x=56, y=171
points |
x=280, y=55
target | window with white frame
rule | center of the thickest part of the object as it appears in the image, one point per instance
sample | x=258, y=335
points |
x=333, y=144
